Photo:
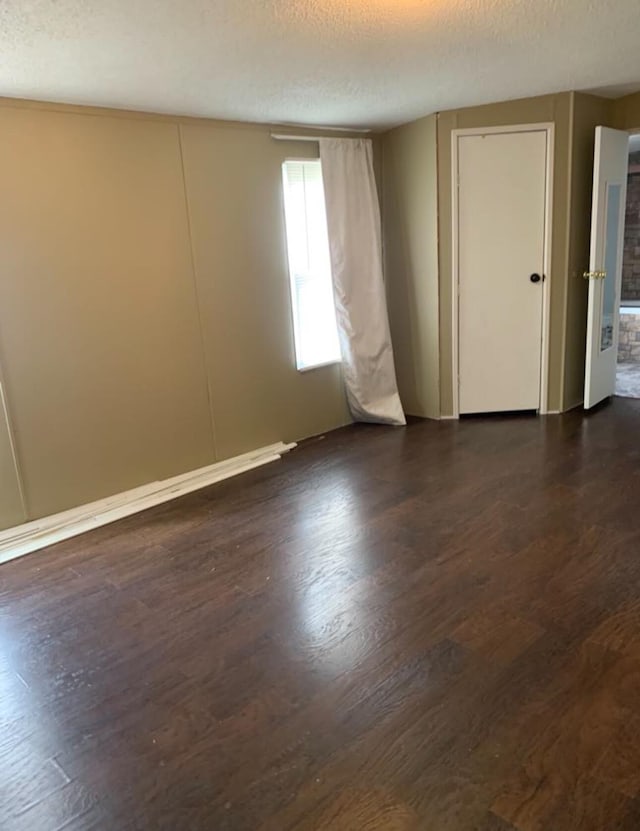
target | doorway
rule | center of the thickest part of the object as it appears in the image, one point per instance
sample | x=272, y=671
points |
x=501, y=245
x=628, y=368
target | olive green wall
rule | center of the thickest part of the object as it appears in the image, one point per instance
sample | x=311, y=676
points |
x=417, y=234
x=104, y=373
x=11, y=510
x=548, y=108
x=145, y=321
x=234, y=192
x=626, y=112
x=410, y=221
x=588, y=112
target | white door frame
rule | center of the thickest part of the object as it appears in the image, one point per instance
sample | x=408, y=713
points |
x=549, y=129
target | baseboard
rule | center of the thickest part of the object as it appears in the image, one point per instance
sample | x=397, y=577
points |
x=575, y=406
x=32, y=536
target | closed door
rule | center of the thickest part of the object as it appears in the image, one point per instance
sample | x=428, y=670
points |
x=502, y=196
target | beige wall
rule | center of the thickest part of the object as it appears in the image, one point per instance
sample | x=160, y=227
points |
x=626, y=112
x=11, y=511
x=410, y=219
x=589, y=112
x=548, y=108
x=233, y=178
x=98, y=321
x=415, y=234
x=129, y=355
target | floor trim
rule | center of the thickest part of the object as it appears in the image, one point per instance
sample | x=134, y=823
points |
x=32, y=536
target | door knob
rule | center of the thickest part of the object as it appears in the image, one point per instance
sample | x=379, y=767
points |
x=535, y=278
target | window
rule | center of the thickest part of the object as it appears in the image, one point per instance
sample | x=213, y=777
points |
x=314, y=317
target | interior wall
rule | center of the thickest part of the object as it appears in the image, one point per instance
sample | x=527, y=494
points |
x=626, y=112
x=410, y=220
x=233, y=185
x=104, y=372
x=549, y=108
x=589, y=112
x=11, y=508
x=130, y=354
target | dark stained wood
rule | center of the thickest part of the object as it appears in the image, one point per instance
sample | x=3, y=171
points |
x=434, y=628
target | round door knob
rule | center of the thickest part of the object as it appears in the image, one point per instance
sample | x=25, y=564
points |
x=535, y=278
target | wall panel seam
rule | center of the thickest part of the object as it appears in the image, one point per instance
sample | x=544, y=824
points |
x=4, y=410
x=205, y=361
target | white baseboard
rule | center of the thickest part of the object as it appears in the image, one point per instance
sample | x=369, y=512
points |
x=32, y=536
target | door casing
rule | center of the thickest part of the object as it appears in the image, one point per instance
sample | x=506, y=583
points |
x=549, y=129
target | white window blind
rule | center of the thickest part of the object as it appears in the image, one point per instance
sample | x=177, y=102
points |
x=314, y=317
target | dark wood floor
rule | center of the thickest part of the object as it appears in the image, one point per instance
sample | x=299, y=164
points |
x=435, y=628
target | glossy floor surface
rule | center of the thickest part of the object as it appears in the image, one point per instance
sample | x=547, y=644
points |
x=628, y=380
x=432, y=628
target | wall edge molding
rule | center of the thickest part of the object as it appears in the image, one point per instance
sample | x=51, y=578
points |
x=38, y=534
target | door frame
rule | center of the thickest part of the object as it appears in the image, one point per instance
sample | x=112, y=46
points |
x=549, y=129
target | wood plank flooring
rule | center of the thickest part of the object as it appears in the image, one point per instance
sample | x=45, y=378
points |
x=434, y=628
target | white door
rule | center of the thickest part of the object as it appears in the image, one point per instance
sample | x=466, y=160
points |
x=501, y=204
x=605, y=263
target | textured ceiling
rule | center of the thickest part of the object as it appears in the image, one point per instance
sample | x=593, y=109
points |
x=366, y=63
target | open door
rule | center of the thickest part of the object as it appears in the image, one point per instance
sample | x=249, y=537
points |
x=605, y=265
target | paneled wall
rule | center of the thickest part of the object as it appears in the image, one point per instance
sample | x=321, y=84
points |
x=145, y=323
x=233, y=186
x=410, y=219
x=418, y=240
x=11, y=507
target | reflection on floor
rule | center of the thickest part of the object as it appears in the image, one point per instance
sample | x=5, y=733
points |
x=628, y=380
x=434, y=628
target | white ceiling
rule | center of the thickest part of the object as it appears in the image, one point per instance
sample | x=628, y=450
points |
x=363, y=63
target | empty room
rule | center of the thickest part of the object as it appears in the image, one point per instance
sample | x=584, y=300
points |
x=319, y=415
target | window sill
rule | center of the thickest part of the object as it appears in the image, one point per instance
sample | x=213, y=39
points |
x=311, y=367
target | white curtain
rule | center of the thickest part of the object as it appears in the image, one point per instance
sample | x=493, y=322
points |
x=353, y=220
